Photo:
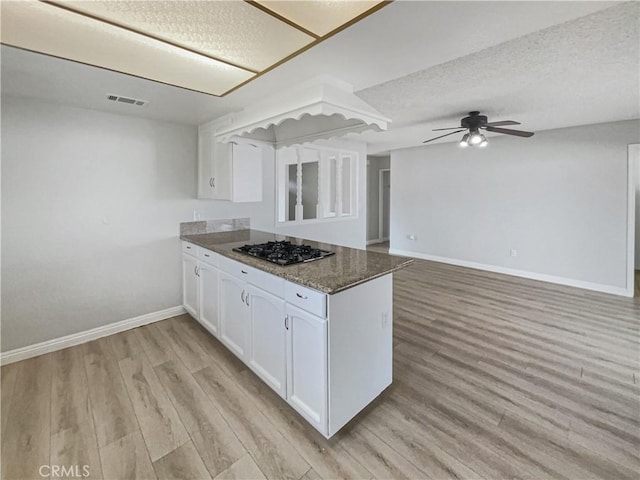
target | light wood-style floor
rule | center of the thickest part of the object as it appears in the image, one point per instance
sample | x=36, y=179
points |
x=495, y=377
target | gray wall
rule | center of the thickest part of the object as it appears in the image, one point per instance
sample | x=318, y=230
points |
x=558, y=198
x=375, y=164
x=91, y=203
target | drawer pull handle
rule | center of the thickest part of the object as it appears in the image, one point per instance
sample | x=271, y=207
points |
x=242, y=296
x=286, y=322
x=244, y=272
x=188, y=247
x=301, y=296
x=207, y=255
x=247, y=299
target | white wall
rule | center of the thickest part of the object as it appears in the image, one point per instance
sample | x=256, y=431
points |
x=558, y=198
x=91, y=203
x=375, y=164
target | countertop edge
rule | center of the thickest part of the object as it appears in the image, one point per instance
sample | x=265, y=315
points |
x=291, y=278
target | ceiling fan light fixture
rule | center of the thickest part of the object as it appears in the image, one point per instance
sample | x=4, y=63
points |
x=465, y=141
x=484, y=142
x=475, y=138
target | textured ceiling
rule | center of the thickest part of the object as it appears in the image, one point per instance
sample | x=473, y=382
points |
x=546, y=64
x=210, y=46
x=580, y=72
x=234, y=31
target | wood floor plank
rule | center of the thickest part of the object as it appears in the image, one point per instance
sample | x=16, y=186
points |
x=378, y=457
x=215, y=441
x=127, y=458
x=8, y=376
x=26, y=440
x=73, y=438
x=113, y=414
x=273, y=453
x=159, y=423
x=182, y=463
x=126, y=345
x=189, y=352
x=243, y=469
x=327, y=457
x=154, y=344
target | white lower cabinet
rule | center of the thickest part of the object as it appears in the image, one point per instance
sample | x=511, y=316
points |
x=267, y=357
x=200, y=294
x=208, y=292
x=307, y=365
x=190, y=290
x=328, y=356
x=234, y=314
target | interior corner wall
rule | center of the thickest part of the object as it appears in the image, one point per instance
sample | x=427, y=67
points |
x=91, y=206
x=559, y=199
x=374, y=165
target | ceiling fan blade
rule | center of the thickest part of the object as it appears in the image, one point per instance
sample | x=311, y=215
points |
x=502, y=123
x=445, y=135
x=448, y=128
x=506, y=131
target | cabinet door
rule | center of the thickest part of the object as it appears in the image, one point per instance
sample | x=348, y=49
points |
x=208, y=297
x=307, y=366
x=205, y=163
x=247, y=173
x=267, y=357
x=222, y=170
x=234, y=314
x=190, y=284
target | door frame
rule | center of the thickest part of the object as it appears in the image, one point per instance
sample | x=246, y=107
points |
x=633, y=165
x=381, y=204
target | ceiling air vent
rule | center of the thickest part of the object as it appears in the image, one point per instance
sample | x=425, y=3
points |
x=130, y=101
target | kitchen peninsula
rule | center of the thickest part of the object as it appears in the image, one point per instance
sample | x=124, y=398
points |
x=318, y=333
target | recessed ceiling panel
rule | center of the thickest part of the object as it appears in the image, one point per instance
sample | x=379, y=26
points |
x=54, y=31
x=231, y=31
x=319, y=16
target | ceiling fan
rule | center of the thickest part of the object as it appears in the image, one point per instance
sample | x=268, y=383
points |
x=476, y=122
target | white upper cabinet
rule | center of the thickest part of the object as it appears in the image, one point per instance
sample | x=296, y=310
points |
x=228, y=171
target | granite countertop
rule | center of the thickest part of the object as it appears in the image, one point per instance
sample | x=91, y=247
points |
x=347, y=268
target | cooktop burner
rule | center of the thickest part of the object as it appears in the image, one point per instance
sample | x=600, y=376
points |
x=283, y=252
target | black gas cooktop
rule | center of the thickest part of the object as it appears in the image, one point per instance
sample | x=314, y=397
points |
x=283, y=252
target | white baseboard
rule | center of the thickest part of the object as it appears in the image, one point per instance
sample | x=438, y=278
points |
x=598, y=287
x=82, y=337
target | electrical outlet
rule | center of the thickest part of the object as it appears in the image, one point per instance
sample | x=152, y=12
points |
x=513, y=252
x=412, y=237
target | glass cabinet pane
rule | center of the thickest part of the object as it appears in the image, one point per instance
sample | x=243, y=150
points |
x=309, y=190
x=346, y=186
x=292, y=190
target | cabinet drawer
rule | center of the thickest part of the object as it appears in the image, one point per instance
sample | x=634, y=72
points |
x=207, y=256
x=189, y=248
x=237, y=269
x=268, y=282
x=308, y=299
